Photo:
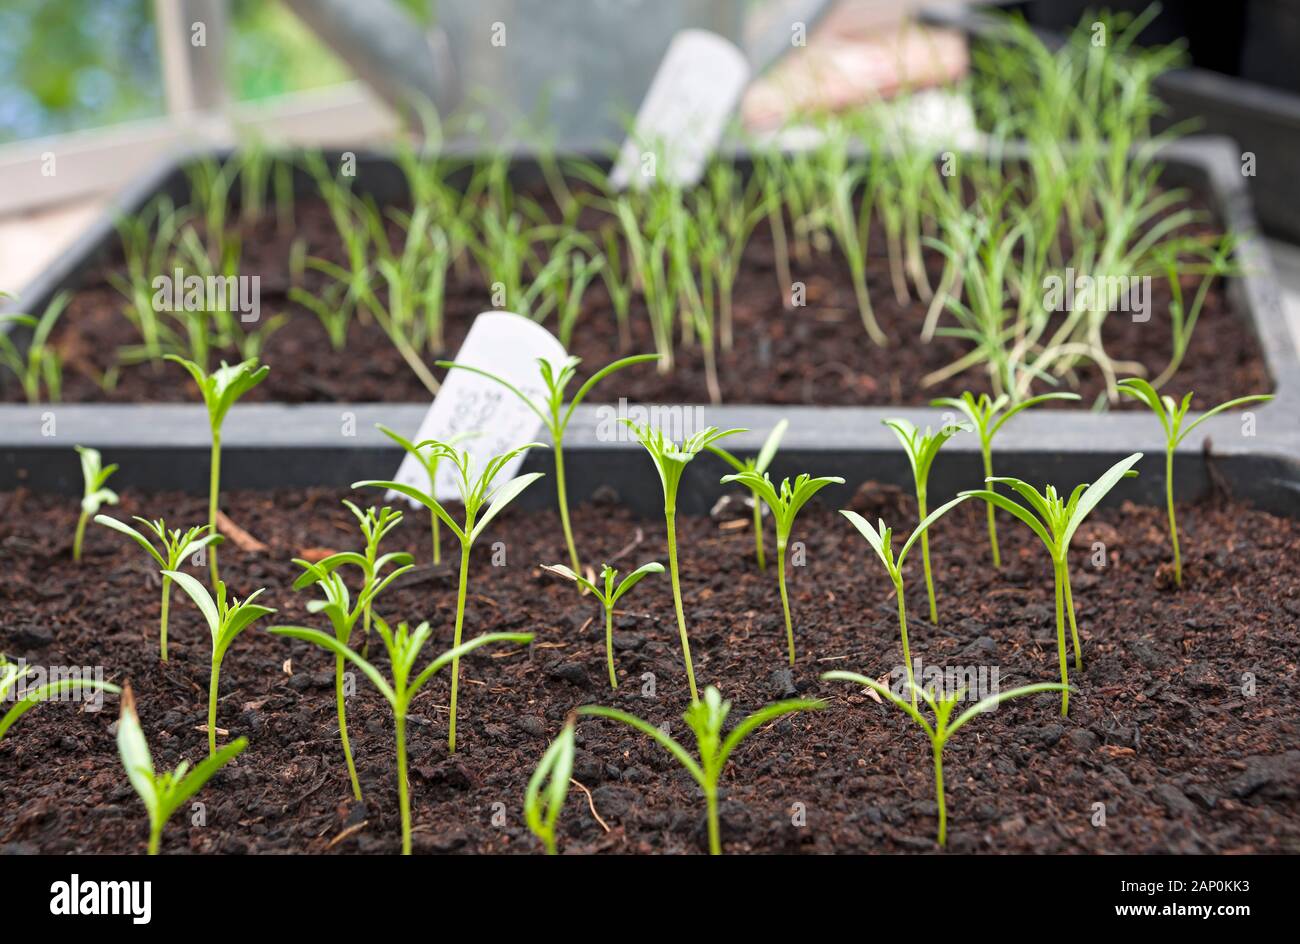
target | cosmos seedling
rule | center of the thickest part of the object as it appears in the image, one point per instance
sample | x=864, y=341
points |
x=941, y=730
x=176, y=547
x=921, y=449
x=785, y=506
x=608, y=597
x=670, y=461
x=548, y=788
x=40, y=365
x=1054, y=520
x=705, y=719
x=477, y=495
x=1171, y=415
x=163, y=793
x=226, y=619
x=555, y=417
x=987, y=416
x=428, y=459
x=220, y=389
x=343, y=615
x=13, y=674
x=881, y=540
x=94, y=495
x=403, y=647
x=760, y=465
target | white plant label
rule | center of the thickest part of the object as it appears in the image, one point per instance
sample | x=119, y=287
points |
x=685, y=111
x=489, y=418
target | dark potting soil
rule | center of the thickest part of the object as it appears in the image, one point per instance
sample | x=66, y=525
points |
x=1183, y=730
x=817, y=354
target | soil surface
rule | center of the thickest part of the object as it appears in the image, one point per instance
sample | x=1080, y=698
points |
x=817, y=354
x=1183, y=729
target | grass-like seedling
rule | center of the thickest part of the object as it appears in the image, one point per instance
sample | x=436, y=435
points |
x=163, y=793
x=1171, y=415
x=987, y=416
x=548, y=788
x=785, y=506
x=226, y=619
x=760, y=465
x=94, y=476
x=608, y=597
x=705, y=719
x=477, y=495
x=428, y=458
x=881, y=540
x=220, y=389
x=1054, y=520
x=852, y=229
x=670, y=461
x=403, y=647
x=343, y=615
x=12, y=674
x=921, y=449
x=555, y=417
x=41, y=365
x=176, y=546
x=942, y=730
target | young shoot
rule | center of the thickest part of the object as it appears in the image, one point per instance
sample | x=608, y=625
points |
x=555, y=417
x=881, y=540
x=785, y=506
x=94, y=476
x=12, y=679
x=375, y=525
x=759, y=464
x=1171, y=415
x=942, y=729
x=548, y=788
x=478, y=496
x=403, y=647
x=343, y=615
x=163, y=793
x=921, y=449
x=670, y=461
x=226, y=620
x=1054, y=520
x=220, y=389
x=176, y=546
x=428, y=459
x=41, y=364
x=705, y=719
x=608, y=597
x=987, y=416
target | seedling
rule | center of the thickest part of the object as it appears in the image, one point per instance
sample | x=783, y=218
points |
x=403, y=647
x=881, y=540
x=941, y=730
x=987, y=416
x=556, y=418
x=670, y=461
x=1171, y=415
x=428, y=459
x=225, y=620
x=94, y=476
x=785, y=505
x=760, y=465
x=705, y=719
x=176, y=547
x=476, y=495
x=921, y=449
x=1054, y=520
x=343, y=616
x=220, y=389
x=608, y=597
x=548, y=787
x=163, y=793
x=41, y=365
x=12, y=674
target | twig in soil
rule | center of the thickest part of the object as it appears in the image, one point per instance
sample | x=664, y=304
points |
x=628, y=548
x=350, y=831
x=238, y=536
x=591, y=803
